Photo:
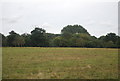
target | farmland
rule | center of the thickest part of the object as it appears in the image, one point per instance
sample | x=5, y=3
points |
x=59, y=63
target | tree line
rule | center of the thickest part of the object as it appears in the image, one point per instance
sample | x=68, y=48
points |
x=71, y=36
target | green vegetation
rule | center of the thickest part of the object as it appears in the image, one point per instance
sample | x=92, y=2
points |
x=71, y=36
x=59, y=63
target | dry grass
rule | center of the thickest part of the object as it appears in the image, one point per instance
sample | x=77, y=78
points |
x=60, y=63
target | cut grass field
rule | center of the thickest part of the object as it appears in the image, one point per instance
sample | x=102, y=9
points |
x=59, y=63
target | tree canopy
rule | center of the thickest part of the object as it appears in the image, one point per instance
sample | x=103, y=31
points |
x=71, y=36
x=74, y=29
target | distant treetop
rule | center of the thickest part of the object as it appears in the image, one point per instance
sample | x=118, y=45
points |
x=74, y=29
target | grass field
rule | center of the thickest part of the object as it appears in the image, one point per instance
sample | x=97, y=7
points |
x=60, y=63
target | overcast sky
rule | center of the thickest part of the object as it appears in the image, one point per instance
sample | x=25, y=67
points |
x=99, y=17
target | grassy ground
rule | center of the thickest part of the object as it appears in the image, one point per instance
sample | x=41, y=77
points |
x=60, y=63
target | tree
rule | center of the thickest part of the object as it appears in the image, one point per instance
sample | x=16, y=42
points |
x=50, y=38
x=3, y=40
x=71, y=36
x=60, y=42
x=95, y=44
x=57, y=41
x=110, y=44
x=18, y=41
x=109, y=37
x=102, y=38
x=80, y=39
x=66, y=35
x=38, y=37
x=118, y=42
x=111, y=40
x=74, y=29
x=11, y=38
x=27, y=39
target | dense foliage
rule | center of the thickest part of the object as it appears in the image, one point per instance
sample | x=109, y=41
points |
x=71, y=36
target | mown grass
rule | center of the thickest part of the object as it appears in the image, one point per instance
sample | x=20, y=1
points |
x=59, y=63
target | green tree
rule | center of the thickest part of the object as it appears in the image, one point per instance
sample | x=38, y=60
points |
x=66, y=35
x=50, y=38
x=38, y=37
x=3, y=40
x=80, y=40
x=57, y=41
x=109, y=37
x=19, y=41
x=95, y=44
x=74, y=29
x=11, y=38
x=110, y=44
x=118, y=42
x=27, y=39
x=60, y=42
x=110, y=40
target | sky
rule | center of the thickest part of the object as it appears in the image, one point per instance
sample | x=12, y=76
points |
x=99, y=17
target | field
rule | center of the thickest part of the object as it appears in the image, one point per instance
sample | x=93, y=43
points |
x=59, y=63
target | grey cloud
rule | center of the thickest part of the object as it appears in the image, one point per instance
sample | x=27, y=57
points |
x=13, y=19
x=54, y=15
x=46, y=25
x=107, y=24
